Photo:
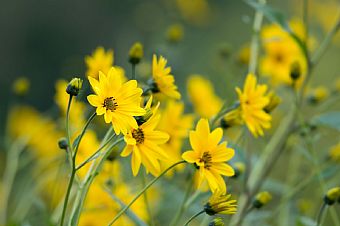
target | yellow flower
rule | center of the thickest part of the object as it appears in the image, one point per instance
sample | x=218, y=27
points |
x=201, y=94
x=144, y=143
x=117, y=101
x=334, y=152
x=136, y=53
x=281, y=51
x=337, y=85
x=220, y=203
x=332, y=195
x=244, y=55
x=163, y=81
x=177, y=125
x=21, y=86
x=196, y=12
x=252, y=104
x=209, y=156
x=99, y=61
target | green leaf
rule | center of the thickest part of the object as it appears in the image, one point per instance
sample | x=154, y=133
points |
x=306, y=221
x=330, y=119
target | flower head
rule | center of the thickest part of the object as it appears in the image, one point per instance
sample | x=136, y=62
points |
x=144, y=143
x=99, y=61
x=334, y=153
x=119, y=102
x=175, y=33
x=162, y=81
x=332, y=195
x=253, y=100
x=220, y=203
x=209, y=156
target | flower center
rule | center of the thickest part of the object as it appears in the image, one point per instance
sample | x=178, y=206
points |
x=138, y=135
x=206, y=159
x=110, y=104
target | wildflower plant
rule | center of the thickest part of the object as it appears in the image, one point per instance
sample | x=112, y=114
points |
x=159, y=144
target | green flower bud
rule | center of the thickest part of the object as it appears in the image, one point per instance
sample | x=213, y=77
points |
x=136, y=53
x=74, y=86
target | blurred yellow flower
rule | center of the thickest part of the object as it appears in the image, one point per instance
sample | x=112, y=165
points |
x=220, y=203
x=163, y=81
x=334, y=153
x=144, y=143
x=196, y=12
x=117, y=101
x=99, y=61
x=209, y=156
x=201, y=94
x=21, y=86
x=281, y=51
x=175, y=33
x=177, y=124
x=253, y=100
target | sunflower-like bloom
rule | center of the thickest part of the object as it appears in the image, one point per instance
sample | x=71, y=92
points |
x=253, y=100
x=119, y=102
x=99, y=61
x=209, y=156
x=143, y=143
x=163, y=81
x=220, y=203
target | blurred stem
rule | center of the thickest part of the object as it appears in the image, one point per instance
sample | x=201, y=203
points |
x=320, y=214
x=305, y=20
x=133, y=67
x=85, y=186
x=193, y=217
x=224, y=110
x=146, y=200
x=326, y=42
x=255, y=40
x=183, y=207
x=129, y=213
x=144, y=190
x=12, y=164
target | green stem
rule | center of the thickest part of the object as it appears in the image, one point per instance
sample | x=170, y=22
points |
x=320, y=214
x=69, y=151
x=254, y=46
x=146, y=201
x=193, y=217
x=142, y=191
x=183, y=207
x=95, y=154
x=82, y=134
x=133, y=66
x=224, y=110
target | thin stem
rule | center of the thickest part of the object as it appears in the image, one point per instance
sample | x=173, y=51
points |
x=193, y=217
x=183, y=207
x=133, y=67
x=68, y=137
x=305, y=20
x=82, y=133
x=224, y=110
x=254, y=47
x=320, y=214
x=326, y=42
x=142, y=191
x=95, y=154
x=146, y=201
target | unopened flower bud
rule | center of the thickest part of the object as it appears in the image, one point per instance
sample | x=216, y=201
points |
x=74, y=86
x=62, y=143
x=217, y=222
x=318, y=95
x=274, y=101
x=21, y=86
x=232, y=118
x=332, y=196
x=262, y=199
x=136, y=53
x=295, y=71
x=239, y=168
